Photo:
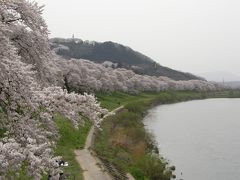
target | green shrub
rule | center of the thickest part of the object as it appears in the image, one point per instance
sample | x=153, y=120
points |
x=153, y=168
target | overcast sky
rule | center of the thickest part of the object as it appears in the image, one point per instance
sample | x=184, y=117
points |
x=196, y=36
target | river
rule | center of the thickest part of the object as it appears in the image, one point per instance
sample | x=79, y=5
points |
x=201, y=138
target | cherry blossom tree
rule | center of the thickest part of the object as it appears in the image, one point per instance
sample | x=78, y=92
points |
x=84, y=75
x=28, y=95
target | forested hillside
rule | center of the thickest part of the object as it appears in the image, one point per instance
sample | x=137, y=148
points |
x=122, y=56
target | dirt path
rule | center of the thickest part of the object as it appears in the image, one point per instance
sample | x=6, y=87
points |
x=90, y=164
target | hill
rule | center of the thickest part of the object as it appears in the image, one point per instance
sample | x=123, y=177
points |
x=120, y=55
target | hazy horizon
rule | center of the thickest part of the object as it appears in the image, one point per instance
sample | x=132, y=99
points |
x=191, y=36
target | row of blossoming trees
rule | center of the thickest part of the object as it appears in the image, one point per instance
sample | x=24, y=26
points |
x=85, y=75
x=31, y=89
x=29, y=97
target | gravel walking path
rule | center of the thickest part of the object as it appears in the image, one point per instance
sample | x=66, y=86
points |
x=91, y=165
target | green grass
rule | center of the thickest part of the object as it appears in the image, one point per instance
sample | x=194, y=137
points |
x=113, y=100
x=227, y=94
x=124, y=140
x=70, y=140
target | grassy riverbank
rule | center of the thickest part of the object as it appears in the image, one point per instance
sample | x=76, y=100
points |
x=125, y=142
x=70, y=140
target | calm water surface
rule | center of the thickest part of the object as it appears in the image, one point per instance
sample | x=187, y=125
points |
x=201, y=138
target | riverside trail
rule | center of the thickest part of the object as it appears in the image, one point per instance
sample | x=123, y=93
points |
x=92, y=167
